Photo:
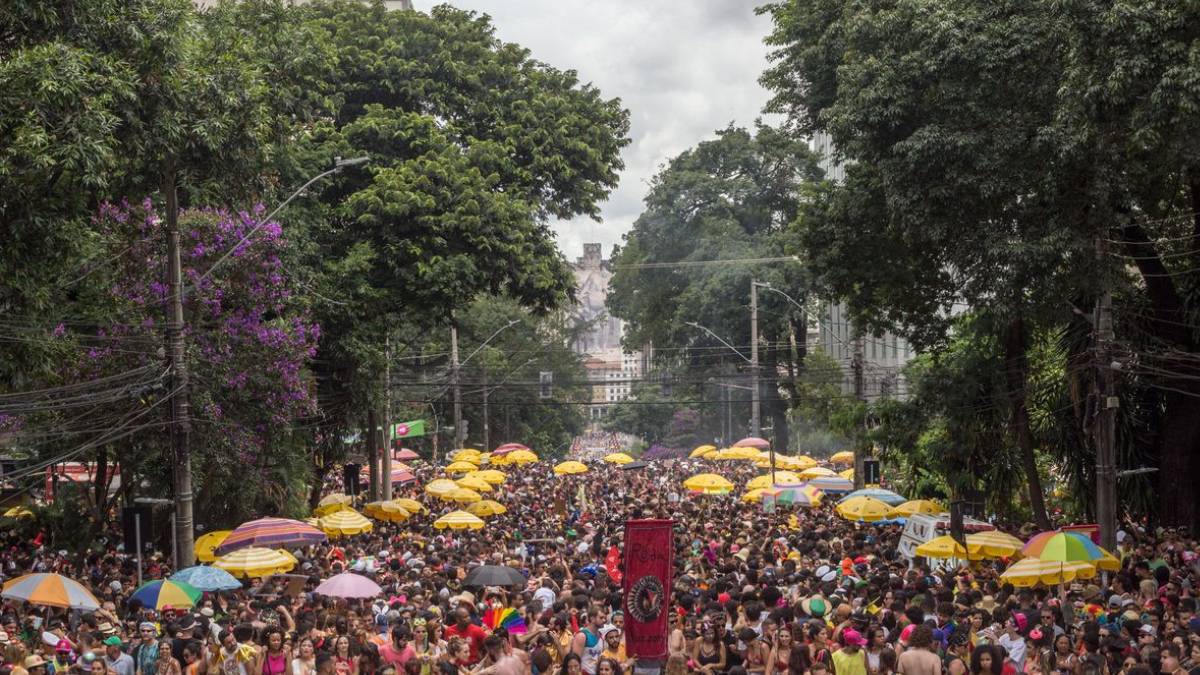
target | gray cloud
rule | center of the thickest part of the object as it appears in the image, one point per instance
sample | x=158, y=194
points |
x=682, y=68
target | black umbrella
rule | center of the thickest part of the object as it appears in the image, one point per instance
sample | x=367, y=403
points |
x=494, y=575
x=634, y=465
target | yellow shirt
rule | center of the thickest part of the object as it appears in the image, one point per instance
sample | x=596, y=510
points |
x=849, y=664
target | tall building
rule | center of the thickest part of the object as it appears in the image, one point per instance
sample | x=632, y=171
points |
x=611, y=370
x=884, y=356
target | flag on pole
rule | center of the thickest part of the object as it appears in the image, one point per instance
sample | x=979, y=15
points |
x=408, y=429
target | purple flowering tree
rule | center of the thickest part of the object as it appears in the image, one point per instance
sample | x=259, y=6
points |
x=248, y=345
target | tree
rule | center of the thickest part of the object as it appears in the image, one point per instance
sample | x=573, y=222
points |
x=646, y=414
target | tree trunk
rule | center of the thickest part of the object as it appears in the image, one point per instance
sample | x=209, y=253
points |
x=1016, y=366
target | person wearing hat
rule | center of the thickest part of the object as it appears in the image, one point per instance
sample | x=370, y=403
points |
x=145, y=652
x=34, y=664
x=116, y=659
x=1013, y=639
x=850, y=659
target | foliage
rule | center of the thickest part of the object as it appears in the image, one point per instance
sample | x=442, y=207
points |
x=647, y=413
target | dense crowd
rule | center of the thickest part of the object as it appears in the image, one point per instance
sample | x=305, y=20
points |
x=792, y=592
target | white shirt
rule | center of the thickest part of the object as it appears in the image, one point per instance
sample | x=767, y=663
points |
x=1016, y=649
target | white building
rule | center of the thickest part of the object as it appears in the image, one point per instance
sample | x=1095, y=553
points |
x=611, y=370
x=883, y=356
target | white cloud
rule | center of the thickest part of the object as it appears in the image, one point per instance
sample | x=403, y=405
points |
x=683, y=68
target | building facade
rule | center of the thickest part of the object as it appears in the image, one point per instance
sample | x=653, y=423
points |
x=611, y=370
x=883, y=356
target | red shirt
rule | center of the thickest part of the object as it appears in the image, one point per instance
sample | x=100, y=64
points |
x=397, y=657
x=474, y=636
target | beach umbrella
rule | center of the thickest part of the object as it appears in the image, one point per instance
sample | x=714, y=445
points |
x=507, y=448
x=1032, y=571
x=700, y=450
x=345, y=523
x=633, y=465
x=410, y=505
x=486, y=508
x=802, y=494
x=386, y=510
x=570, y=468
x=1108, y=563
x=441, y=486
x=207, y=578
x=461, y=467
x=255, y=561
x=863, y=509
x=50, y=590
x=476, y=484
x=843, y=457
x=206, y=546
x=18, y=512
x=618, y=458
x=993, y=544
x=271, y=532
x=736, y=453
x=831, y=484
x=916, y=506
x=491, y=476
x=942, y=547
x=465, y=455
x=817, y=472
x=708, y=483
x=405, y=455
x=1060, y=546
x=886, y=496
x=348, y=585
x=754, y=442
x=494, y=575
x=520, y=457
x=163, y=592
x=797, y=463
x=848, y=474
x=333, y=502
x=754, y=494
x=458, y=520
x=781, y=478
x=462, y=495
x=400, y=477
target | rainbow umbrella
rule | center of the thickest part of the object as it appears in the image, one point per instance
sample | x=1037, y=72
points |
x=1063, y=547
x=802, y=494
x=162, y=592
x=271, y=533
x=51, y=590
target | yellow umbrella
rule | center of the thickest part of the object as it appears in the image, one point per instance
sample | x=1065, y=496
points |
x=618, y=458
x=476, y=484
x=18, y=512
x=440, y=487
x=386, y=511
x=708, y=483
x=864, y=509
x=520, y=457
x=843, y=457
x=701, y=450
x=912, y=506
x=816, y=472
x=781, y=478
x=848, y=474
x=410, y=505
x=491, y=476
x=737, y=454
x=333, y=502
x=462, y=495
x=206, y=546
x=1109, y=563
x=801, y=462
x=466, y=455
x=754, y=495
x=570, y=468
x=1032, y=571
x=485, y=508
x=255, y=561
x=344, y=523
x=942, y=547
x=287, y=554
x=458, y=520
x=994, y=544
x=461, y=467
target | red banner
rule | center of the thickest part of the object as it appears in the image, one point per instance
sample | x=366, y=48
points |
x=649, y=563
x=611, y=563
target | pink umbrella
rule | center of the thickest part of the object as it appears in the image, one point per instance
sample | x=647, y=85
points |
x=507, y=448
x=402, y=476
x=753, y=442
x=405, y=455
x=349, y=585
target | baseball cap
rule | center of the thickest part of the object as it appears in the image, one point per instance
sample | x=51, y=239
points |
x=112, y=641
x=853, y=637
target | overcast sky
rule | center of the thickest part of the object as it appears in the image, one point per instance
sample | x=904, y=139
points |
x=683, y=68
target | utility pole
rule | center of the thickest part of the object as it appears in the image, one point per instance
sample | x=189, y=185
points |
x=386, y=434
x=454, y=375
x=856, y=366
x=1104, y=426
x=487, y=441
x=181, y=424
x=372, y=441
x=755, y=419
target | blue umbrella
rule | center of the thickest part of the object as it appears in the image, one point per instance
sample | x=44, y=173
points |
x=205, y=578
x=886, y=496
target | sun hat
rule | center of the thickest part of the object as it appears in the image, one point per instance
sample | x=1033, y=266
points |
x=34, y=661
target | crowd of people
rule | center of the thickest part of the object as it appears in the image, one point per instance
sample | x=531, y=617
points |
x=786, y=592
